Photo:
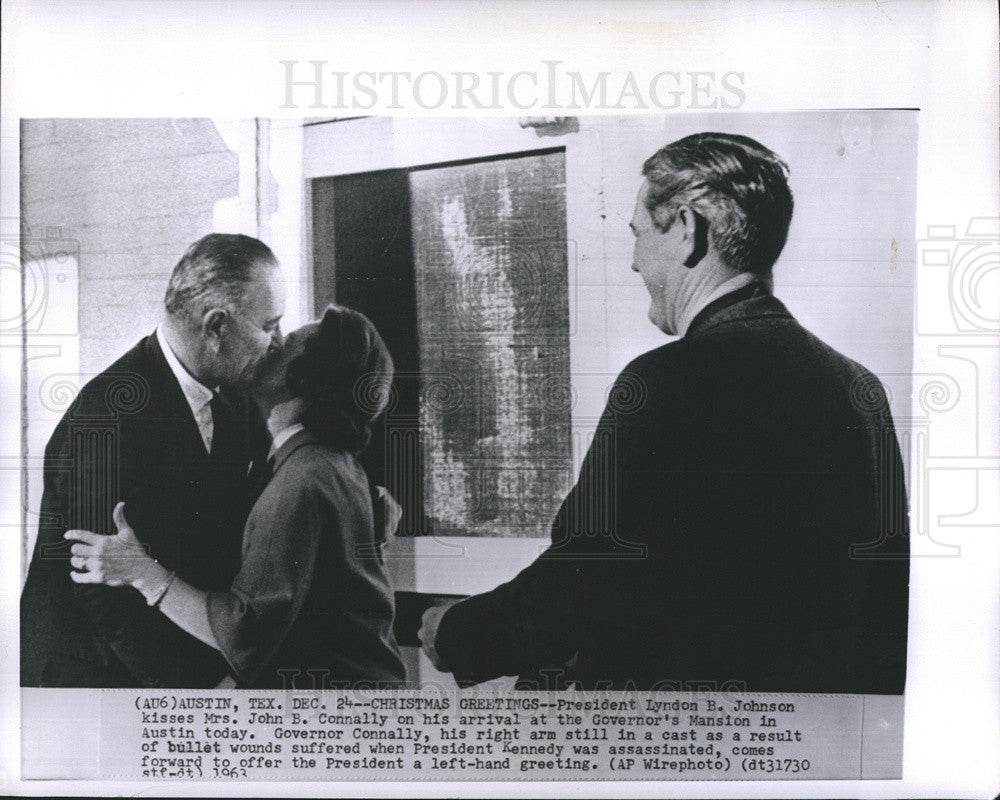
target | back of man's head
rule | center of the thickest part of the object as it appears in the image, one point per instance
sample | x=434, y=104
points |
x=738, y=185
x=215, y=272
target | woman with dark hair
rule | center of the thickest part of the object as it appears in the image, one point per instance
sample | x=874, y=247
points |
x=311, y=602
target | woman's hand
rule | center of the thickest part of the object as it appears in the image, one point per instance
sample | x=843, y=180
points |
x=118, y=560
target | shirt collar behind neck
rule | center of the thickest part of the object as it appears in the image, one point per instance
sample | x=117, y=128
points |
x=197, y=394
x=284, y=435
x=734, y=284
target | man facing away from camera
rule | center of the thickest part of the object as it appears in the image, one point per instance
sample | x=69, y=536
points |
x=170, y=430
x=746, y=525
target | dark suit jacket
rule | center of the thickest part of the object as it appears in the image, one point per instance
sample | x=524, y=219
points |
x=311, y=606
x=739, y=522
x=130, y=435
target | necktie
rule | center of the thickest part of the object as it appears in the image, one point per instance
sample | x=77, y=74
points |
x=226, y=445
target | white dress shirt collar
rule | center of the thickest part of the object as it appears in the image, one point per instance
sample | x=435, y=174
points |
x=198, y=396
x=726, y=287
x=284, y=435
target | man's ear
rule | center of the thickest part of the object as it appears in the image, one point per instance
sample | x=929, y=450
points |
x=212, y=324
x=695, y=235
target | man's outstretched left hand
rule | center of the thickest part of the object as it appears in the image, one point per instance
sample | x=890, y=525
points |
x=428, y=634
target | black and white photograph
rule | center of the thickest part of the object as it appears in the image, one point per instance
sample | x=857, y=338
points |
x=494, y=424
x=216, y=500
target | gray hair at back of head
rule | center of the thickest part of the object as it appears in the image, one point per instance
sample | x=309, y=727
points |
x=738, y=185
x=215, y=272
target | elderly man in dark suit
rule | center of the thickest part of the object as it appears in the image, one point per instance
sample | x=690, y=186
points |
x=741, y=524
x=170, y=430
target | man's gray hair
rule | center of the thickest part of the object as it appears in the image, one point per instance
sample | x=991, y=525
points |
x=738, y=185
x=215, y=273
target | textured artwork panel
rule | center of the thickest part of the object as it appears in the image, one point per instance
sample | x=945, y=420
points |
x=493, y=326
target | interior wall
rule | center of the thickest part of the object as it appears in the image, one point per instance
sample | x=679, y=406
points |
x=134, y=193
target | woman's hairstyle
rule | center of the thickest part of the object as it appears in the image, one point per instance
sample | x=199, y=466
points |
x=736, y=183
x=344, y=378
